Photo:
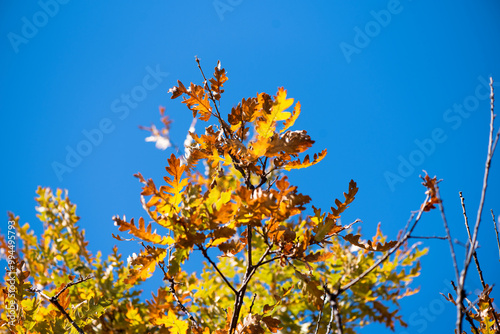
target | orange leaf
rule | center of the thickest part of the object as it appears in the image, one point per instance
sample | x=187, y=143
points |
x=296, y=164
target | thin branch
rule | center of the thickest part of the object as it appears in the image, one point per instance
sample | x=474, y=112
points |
x=81, y=280
x=481, y=278
x=496, y=231
x=491, y=150
x=334, y=310
x=174, y=293
x=253, y=301
x=53, y=300
x=211, y=95
x=386, y=255
x=429, y=237
x=205, y=254
x=448, y=235
x=320, y=314
x=467, y=316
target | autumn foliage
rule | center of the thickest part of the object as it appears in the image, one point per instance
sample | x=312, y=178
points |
x=272, y=262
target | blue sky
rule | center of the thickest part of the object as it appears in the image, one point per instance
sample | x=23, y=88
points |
x=388, y=87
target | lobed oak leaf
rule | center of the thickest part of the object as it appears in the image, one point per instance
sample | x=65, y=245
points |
x=221, y=235
x=318, y=256
x=296, y=164
x=174, y=324
x=368, y=245
x=432, y=191
x=217, y=82
x=329, y=227
x=231, y=248
x=266, y=124
x=146, y=264
x=142, y=231
x=178, y=91
x=272, y=323
x=291, y=120
x=310, y=289
x=349, y=197
x=250, y=325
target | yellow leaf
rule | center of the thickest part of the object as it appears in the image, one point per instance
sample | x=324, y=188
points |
x=291, y=120
x=267, y=123
x=296, y=164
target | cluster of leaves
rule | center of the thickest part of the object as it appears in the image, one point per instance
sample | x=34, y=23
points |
x=270, y=264
x=44, y=266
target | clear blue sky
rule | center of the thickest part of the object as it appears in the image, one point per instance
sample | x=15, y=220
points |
x=388, y=87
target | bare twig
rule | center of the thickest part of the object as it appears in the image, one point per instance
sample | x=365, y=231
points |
x=470, y=240
x=491, y=150
x=334, y=310
x=467, y=316
x=54, y=300
x=429, y=237
x=320, y=314
x=253, y=301
x=496, y=231
x=205, y=254
x=448, y=235
x=174, y=293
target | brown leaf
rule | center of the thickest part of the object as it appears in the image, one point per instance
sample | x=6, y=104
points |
x=272, y=323
x=432, y=191
x=296, y=164
x=318, y=256
x=368, y=245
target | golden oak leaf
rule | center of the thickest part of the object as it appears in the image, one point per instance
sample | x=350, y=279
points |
x=259, y=147
x=143, y=232
x=174, y=324
x=296, y=164
x=266, y=124
x=197, y=101
x=146, y=264
x=291, y=120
